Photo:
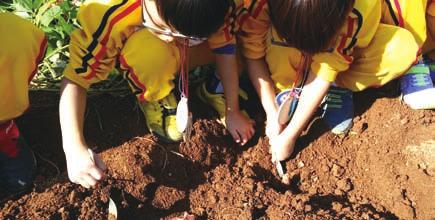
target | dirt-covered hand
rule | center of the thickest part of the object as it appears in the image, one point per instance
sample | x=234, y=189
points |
x=281, y=147
x=240, y=126
x=85, y=167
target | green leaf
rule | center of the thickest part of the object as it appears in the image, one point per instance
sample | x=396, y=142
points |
x=51, y=14
x=23, y=5
x=37, y=4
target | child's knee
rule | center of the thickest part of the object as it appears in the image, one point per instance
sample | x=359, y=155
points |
x=401, y=49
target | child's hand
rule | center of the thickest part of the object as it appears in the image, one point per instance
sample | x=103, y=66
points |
x=273, y=128
x=240, y=127
x=281, y=147
x=83, y=168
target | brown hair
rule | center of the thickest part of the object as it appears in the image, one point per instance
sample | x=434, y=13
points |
x=198, y=18
x=309, y=25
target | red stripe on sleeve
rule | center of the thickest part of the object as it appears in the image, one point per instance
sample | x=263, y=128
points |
x=350, y=27
x=399, y=12
x=41, y=54
x=259, y=8
x=134, y=78
x=112, y=23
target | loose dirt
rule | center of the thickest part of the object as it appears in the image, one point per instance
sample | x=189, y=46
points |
x=383, y=169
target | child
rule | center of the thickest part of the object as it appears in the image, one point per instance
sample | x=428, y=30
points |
x=23, y=47
x=148, y=37
x=430, y=43
x=353, y=45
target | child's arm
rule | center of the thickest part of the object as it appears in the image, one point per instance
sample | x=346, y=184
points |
x=260, y=77
x=81, y=168
x=312, y=95
x=240, y=127
x=94, y=48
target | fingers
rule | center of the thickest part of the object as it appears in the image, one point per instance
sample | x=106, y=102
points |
x=88, y=181
x=99, y=163
x=247, y=133
x=95, y=173
x=235, y=136
x=244, y=137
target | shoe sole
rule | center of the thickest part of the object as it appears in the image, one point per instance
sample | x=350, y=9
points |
x=342, y=131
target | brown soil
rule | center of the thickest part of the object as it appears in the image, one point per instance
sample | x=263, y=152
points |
x=383, y=169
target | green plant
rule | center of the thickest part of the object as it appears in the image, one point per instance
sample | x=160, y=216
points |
x=57, y=19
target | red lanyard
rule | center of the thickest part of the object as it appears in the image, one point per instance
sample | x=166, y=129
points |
x=183, y=82
x=303, y=70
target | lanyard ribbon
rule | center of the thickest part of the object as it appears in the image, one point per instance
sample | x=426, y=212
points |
x=183, y=82
x=302, y=70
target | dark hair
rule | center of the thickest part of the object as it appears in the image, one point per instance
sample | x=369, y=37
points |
x=309, y=25
x=198, y=18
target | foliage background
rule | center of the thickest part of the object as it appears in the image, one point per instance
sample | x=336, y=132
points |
x=57, y=18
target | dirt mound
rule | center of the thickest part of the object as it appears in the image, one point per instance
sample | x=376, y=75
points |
x=209, y=144
x=383, y=169
x=61, y=201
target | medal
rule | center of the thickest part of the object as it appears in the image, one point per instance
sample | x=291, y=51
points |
x=183, y=115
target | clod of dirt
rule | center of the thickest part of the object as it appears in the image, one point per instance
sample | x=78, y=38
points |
x=337, y=170
x=359, y=127
x=404, y=121
x=344, y=185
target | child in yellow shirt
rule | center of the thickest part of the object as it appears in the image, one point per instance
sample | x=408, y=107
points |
x=430, y=43
x=344, y=46
x=23, y=47
x=148, y=37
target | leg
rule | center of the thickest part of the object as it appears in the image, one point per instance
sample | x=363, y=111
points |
x=151, y=66
x=429, y=46
x=212, y=92
x=23, y=47
x=390, y=55
x=337, y=108
x=407, y=14
x=17, y=161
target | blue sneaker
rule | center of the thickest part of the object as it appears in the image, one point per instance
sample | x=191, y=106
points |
x=417, y=87
x=338, y=110
x=431, y=64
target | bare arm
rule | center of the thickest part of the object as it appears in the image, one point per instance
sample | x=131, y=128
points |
x=263, y=84
x=240, y=126
x=71, y=113
x=312, y=95
x=82, y=169
x=260, y=78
